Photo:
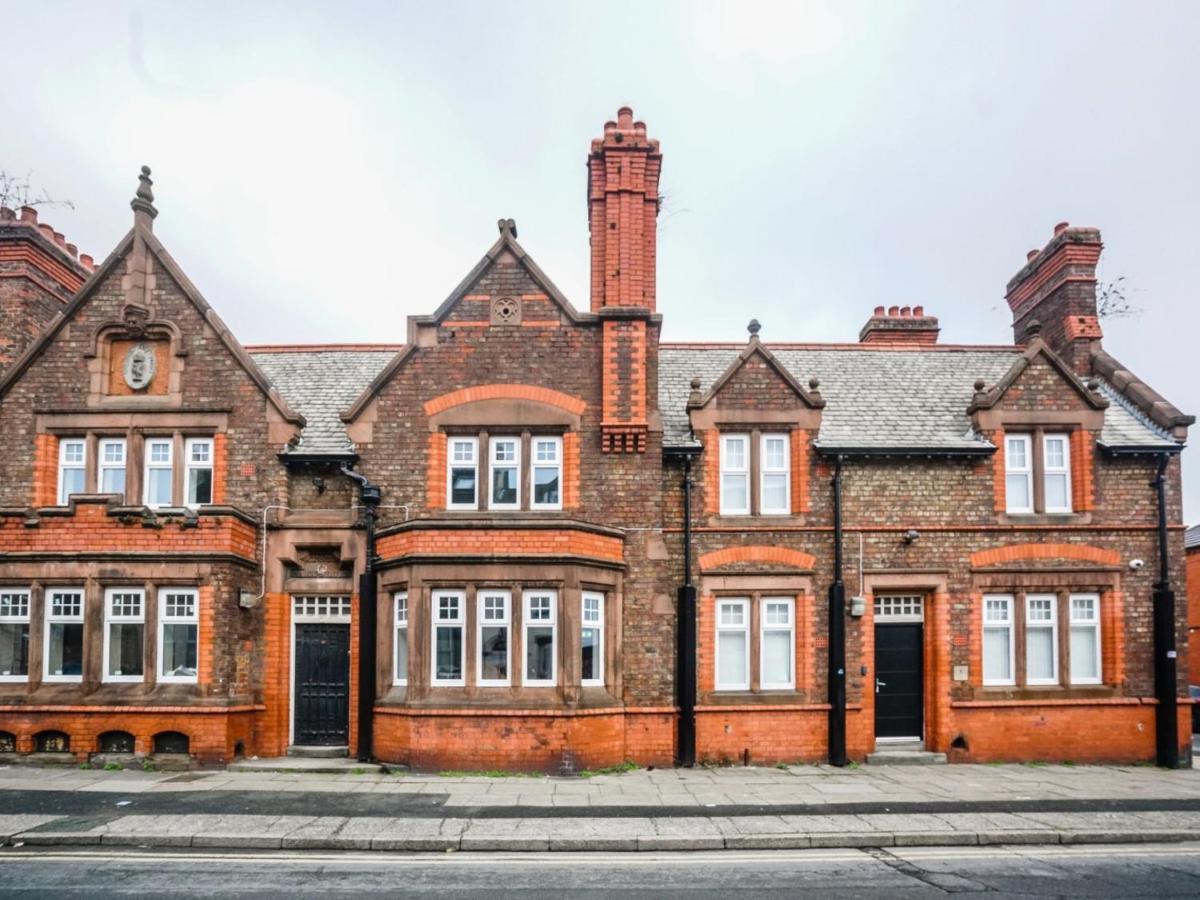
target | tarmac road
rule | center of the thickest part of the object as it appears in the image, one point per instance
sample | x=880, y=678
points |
x=1148, y=870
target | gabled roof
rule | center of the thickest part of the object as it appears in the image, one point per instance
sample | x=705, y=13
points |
x=753, y=349
x=1037, y=349
x=506, y=243
x=1191, y=538
x=883, y=398
x=154, y=246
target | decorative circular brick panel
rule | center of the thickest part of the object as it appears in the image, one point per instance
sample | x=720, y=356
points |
x=506, y=311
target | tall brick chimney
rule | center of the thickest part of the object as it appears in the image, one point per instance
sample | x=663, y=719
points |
x=1054, y=295
x=623, y=170
x=39, y=273
x=900, y=325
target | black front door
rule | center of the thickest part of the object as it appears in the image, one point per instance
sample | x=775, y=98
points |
x=322, y=684
x=899, y=695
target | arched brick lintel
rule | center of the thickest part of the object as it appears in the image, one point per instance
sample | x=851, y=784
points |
x=1016, y=552
x=761, y=554
x=573, y=405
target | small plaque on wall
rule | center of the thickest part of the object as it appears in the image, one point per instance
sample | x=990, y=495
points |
x=961, y=673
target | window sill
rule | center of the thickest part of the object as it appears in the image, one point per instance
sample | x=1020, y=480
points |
x=1071, y=518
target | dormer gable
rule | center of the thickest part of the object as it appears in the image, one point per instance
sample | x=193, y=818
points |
x=1039, y=386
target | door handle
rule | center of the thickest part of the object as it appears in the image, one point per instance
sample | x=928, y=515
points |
x=879, y=684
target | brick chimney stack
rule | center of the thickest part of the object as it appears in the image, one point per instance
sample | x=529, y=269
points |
x=623, y=170
x=1054, y=295
x=39, y=273
x=900, y=325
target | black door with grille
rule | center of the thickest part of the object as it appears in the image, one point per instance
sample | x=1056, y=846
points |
x=322, y=684
x=899, y=700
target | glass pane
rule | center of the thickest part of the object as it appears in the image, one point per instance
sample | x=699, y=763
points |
x=66, y=649
x=539, y=654
x=462, y=483
x=1039, y=654
x=464, y=451
x=449, y=653
x=494, y=653
x=776, y=455
x=125, y=648
x=14, y=648
x=1083, y=609
x=777, y=657
x=199, y=486
x=1016, y=454
x=504, y=486
x=160, y=452
x=545, y=451
x=1055, y=453
x=504, y=451
x=775, y=494
x=1056, y=491
x=996, y=654
x=734, y=492
x=158, y=490
x=72, y=482
x=402, y=653
x=1083, y=654
x=735, y=453
x=112, y=481
x=114, y=452
x=179, y=650
x=199, y=451
x=778, y=614
x=591, y=654
x=1017, y=488
x=545, y=485
x=73, y=452
x=731, y=651
x=733, y=613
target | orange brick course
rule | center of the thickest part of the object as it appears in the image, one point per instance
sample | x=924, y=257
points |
x=783, y=556
x=505, y=392
x=45, y=470
x=1015, y=552
x=502, y=542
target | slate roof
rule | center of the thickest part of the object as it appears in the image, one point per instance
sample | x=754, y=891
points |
x=321, y=383
x=1191, y=538
x=883, y=399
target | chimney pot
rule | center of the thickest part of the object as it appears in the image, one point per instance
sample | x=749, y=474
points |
x=60, y=239
x=625, y=118
x=905, y=312
x=46, y=230
x=86, y=260
x=6, y=214
x=893, y=311
x=918, y=311
x=1061, y=227
x=29, y=215
x=73, y=250
x=1032, y=254
x=879, y=310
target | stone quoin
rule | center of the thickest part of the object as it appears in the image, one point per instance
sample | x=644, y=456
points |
x=185, y=522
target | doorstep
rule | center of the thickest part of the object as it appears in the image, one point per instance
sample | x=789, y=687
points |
x=305, y=764
x=904, y=753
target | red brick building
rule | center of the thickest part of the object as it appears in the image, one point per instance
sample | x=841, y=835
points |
x=589, y=546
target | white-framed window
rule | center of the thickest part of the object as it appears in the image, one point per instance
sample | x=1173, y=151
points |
x=14, y=634
x=777, y=647
x=72, y=468
x=462, y=481
x=999, y=665
x=547, y=473
x=775, y=488
x=124, y=634
x=198, y=471
x=178, y=634
x=1018, y=473
x=320, y=608
x=592, y=640
x=449, y=622
x=156, y=490
x=1085, y=639
x=400, y=648
x=1041, y=639
x=111, y=466
x=541, y=627
x=733, y=644
x=494, y=642
x=1056, y=472
x=735, y=475
x=63, y=646
x=504, y=470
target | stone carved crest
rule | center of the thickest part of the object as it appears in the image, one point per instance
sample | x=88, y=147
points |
x=506, y=311
x=139, y=366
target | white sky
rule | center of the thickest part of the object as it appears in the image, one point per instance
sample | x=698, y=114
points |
x=323, y=170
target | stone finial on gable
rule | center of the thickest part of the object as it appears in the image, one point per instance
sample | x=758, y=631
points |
x=754, y=328
x=143, y=202
x=508, y=227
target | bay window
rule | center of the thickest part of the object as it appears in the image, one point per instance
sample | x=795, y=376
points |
x=63, y=651
x=449, y=618
x=14, y=634
x=494, y=622
x=1022, y=644
x=592, y=639
x=157, y=482
x=72, y=468
x=124, y=631
x=400, y=647
x=539, y=638
x=178, y=632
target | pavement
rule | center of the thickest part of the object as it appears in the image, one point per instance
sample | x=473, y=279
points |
x=792, y=807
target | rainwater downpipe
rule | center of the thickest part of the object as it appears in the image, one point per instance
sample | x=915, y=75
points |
x=837, y=633
x=685, y=632
x=1166, y=713
x=370, y=495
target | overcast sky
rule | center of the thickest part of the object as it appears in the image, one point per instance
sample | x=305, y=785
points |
x=323, y=170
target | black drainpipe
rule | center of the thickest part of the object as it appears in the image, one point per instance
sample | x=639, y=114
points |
x=1166, y=721
x=685, y=633
x=368, y=613
x=837, y=633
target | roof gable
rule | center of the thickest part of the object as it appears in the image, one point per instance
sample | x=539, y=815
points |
x=1036, y=352
x=755, y=350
